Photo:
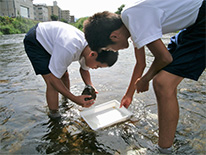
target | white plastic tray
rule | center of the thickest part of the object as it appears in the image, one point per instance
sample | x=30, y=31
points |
x=105, y=114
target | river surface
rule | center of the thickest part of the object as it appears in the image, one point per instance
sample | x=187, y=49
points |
x=25, y=127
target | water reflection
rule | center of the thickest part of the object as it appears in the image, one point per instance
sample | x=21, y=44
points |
x=68, y=135
x=25, y=127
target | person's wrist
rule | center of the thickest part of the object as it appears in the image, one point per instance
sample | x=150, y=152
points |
x=72, y=97
x=145, y=79
x=128, y=95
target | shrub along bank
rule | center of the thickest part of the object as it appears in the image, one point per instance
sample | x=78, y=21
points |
x=9, y=25
x=19, y=25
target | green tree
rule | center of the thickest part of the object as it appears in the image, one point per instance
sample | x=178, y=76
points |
x=120, y=9
x=63, y=20
x=79, y=23
x=54, y=17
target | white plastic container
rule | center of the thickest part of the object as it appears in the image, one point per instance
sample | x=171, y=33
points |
x=105, y=114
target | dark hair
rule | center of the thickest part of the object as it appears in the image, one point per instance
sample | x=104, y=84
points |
x=108, y=57
x=97, y=29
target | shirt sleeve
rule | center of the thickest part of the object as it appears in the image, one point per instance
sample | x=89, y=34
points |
x=144, y=24
x=61, y=58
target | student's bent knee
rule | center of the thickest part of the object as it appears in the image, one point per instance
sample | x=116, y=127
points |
x=161, y=86
x=157, y=83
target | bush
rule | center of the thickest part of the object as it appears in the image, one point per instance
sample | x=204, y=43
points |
x=6, y=20
x=8, y=29
x=79, y=23
x=5, y=29
x=17, y=25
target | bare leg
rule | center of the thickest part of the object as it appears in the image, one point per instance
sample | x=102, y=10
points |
x=51, y=94
x=65, y=80
x=165, y=87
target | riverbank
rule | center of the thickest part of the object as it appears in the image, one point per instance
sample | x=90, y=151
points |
x=9, y=25
x=19, y=25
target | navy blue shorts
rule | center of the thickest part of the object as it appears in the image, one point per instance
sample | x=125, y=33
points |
x=188, y=49
x=38, y=56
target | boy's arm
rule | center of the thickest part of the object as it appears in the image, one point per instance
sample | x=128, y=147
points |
x=137, y=73
x=162, y=59
x=60, y=87
x=85, y=76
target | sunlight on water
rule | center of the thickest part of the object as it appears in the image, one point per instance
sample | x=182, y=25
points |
x=26, y=129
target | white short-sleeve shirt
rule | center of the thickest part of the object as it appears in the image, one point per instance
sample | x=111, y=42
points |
x=147, y=20
x=64, y=43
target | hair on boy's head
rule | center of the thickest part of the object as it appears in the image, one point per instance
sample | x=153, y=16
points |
x=108, y=57
x=97, y=29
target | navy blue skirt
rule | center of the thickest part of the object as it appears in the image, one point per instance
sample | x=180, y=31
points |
x=188, y=49
x=38, y=56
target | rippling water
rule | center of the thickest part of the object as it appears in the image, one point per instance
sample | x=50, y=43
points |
x=26, y=129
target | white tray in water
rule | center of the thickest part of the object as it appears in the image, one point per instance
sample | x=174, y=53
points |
x=105, y=114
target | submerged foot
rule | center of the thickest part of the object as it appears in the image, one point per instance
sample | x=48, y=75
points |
x=54, y=114
x=165, y=150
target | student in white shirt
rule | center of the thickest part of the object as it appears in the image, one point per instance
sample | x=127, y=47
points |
x=145, y=22
x=51, y=48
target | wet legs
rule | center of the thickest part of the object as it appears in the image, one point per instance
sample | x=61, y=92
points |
x=52, y=96
x=165, y=87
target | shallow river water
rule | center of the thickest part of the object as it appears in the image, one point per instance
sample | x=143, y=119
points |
x=25, y=127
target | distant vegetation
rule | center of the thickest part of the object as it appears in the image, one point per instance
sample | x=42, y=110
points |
x=9, y=25
x=79, y=23
x=17, y=25
x=20, y=25
x=120, y=9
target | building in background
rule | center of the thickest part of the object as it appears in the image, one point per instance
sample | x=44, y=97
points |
x=15, y=8
x=65, y=14
x=62, y=14
x=72, y=19
x=41, y=12
x=54, y=10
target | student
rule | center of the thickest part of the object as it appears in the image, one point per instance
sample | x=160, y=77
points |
x=51, y=48
x=146, y=21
